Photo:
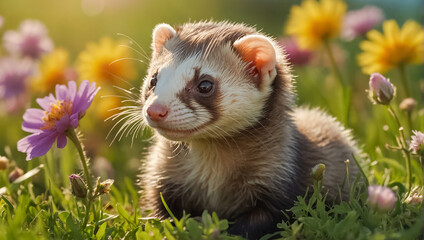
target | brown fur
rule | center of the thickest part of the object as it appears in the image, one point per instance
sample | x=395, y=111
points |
x=254, y=173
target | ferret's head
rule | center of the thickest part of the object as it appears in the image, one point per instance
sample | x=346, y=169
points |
x=207, y=80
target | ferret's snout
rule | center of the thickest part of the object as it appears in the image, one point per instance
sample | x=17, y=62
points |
x=157, y=112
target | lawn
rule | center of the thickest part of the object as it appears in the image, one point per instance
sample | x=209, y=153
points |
x=361, y=64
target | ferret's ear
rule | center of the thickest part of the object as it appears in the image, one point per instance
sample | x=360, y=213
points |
x=259, y=53
x=162, y=33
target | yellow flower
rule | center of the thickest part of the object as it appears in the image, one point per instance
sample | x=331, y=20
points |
x=106, y=105
x=106, y=63
x=53, y=69
x=395, y=47
x=314, y=22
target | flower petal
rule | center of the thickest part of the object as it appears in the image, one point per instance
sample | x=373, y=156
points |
x=61, y=141
x=74, y=120
x=37, y=144
x=85, y=96
x=45, y=102
x=33, y=120
x=72, y=90
x=61, y=92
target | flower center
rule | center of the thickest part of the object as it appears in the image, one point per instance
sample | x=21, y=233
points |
x=55, y=113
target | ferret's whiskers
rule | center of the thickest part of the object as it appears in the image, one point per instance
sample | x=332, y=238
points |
x=124, y=116
x=132, y=41
x=138, y=52
x=129, y=92
x=126, y=58
x=130, y=120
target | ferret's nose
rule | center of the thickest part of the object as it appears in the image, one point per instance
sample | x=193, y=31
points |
x=157, y=112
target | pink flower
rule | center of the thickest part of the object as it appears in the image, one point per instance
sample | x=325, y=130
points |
x=359, y=22
x=31, y=40
x=58, y=114
x=14, y=74
x=381, y=90
x=295, y=55
x=417, y=142
x=381, y=198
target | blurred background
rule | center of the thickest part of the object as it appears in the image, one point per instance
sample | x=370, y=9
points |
x=74, y=24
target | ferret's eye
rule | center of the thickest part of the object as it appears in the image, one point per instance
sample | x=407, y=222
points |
x=205, y=86
x=154, y=80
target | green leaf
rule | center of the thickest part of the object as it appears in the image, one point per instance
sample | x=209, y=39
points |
x=194, y=228
x=123, y=213
x=74, y=227
x=392, y=163
x=101, y=231
x=11, y=208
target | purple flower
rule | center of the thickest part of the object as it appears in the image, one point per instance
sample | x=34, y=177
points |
x=359, y=22
x=381, y=198
x=58, y=114
x=31, y=40
x=14, y=74
x=296, y=55
x=381, y=90
x=417, y=142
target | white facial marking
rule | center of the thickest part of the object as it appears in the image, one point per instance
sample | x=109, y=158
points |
x=172, y=81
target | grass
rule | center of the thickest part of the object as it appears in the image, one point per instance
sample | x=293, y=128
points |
x=40, y=204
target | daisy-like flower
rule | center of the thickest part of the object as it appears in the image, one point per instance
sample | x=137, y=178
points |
x=57, y=116
x=14, y=75
x=106, y=63
x=53, y=70
x=296, y=55
x=417, y=142
x=314, y=22
x=392, y=48
x=381, y=198
x=359, y=22
x=31, y=40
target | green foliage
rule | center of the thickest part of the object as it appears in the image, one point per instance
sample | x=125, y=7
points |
x=39, y=204
x=316, y=219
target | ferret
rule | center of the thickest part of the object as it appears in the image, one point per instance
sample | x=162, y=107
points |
x=228, y=137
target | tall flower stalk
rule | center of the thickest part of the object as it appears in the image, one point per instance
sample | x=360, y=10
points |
x=382, y=92
x=404, y=80
x=333, y=63
x=314, y=24
x=345, y=86
x=71, y=134
x=402, y=146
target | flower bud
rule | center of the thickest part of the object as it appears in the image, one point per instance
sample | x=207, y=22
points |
x=381, y=90
x=17, y=172
x=417, y=142
x=4, y=163
x=381, y=198
x=318, y=171
x=79, y=188
x=104, y=187
x=408, y=104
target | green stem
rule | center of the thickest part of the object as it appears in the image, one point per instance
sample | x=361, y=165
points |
x=338, y=75
x=333, y=63
x=404, y=149
x=404, y=80
x=74, y=138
